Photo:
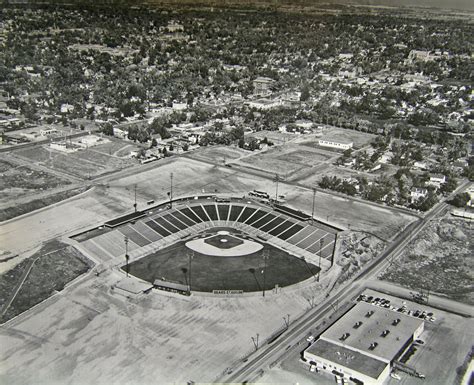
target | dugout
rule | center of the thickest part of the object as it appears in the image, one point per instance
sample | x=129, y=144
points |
x=172, y=287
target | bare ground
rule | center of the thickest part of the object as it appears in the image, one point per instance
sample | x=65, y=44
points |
x=441, y=260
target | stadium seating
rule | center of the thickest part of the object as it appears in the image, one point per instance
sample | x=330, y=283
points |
x=192, y=217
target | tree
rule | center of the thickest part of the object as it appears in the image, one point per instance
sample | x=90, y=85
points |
x=304, y=93
x=460, y=200
x=154, y=143
x=108, y=129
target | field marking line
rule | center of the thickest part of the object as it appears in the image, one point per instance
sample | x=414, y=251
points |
x=19, y=286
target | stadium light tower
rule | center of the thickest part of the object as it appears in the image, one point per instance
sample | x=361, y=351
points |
x=265, y=257
x=321, y=241
x=190, y=258
x=312, y=211
x=135, y=204
x=276, y=179
x=171, y=190
x=127, y=257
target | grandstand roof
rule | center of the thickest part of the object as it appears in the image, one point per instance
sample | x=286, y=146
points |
x=124, y=219
x=371, y=329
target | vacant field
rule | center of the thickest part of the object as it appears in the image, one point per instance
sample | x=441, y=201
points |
x=116, y=147
x=50, y=271
x=305, y=158
x=22, y=208
x=83, y=163
x=209, y=273
x=5, y=165
x=440, y=259
x=218, y=154
x=21, y=180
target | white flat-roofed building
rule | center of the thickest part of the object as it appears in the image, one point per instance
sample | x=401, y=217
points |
x=437, y=180
x=362, y=345
x=336, y=143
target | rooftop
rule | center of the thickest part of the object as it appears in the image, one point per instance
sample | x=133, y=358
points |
x=367, y=324
x=348, y=358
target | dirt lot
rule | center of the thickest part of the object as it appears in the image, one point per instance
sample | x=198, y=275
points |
x=22, y=208
x=19, y=180
x=85, y=164
x=441, y=260
x=357, y=248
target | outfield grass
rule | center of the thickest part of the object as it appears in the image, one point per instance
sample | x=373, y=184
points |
x=223, y=273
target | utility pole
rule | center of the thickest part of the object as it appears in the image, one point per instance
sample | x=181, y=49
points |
x=126, y=254
x=312, y=211
x=135, y=204
x=287, y=320
x=255, y=342
x=265, y=257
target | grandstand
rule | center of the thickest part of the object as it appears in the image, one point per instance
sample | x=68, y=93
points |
x=157, y=229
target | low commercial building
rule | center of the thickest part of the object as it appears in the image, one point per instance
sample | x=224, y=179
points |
x=336, y=143
x=363, y=345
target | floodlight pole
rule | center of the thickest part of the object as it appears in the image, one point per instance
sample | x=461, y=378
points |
x=312, y=211
x=135, y=204
x=190, y=258
x=307, y=266
x=321, y=241
x=276, y=179
x=265, y=257
x=171, y=190
x=126, y=254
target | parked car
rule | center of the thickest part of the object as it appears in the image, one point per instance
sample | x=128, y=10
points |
x=395, y=375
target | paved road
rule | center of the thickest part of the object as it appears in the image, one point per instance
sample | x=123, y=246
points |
x=251, y=369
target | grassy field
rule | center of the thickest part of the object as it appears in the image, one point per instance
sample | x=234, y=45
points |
x=441, y=260
x=52, y=269
x=224, y=273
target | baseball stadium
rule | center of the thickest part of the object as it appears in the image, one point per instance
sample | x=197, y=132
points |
x=214, y=244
